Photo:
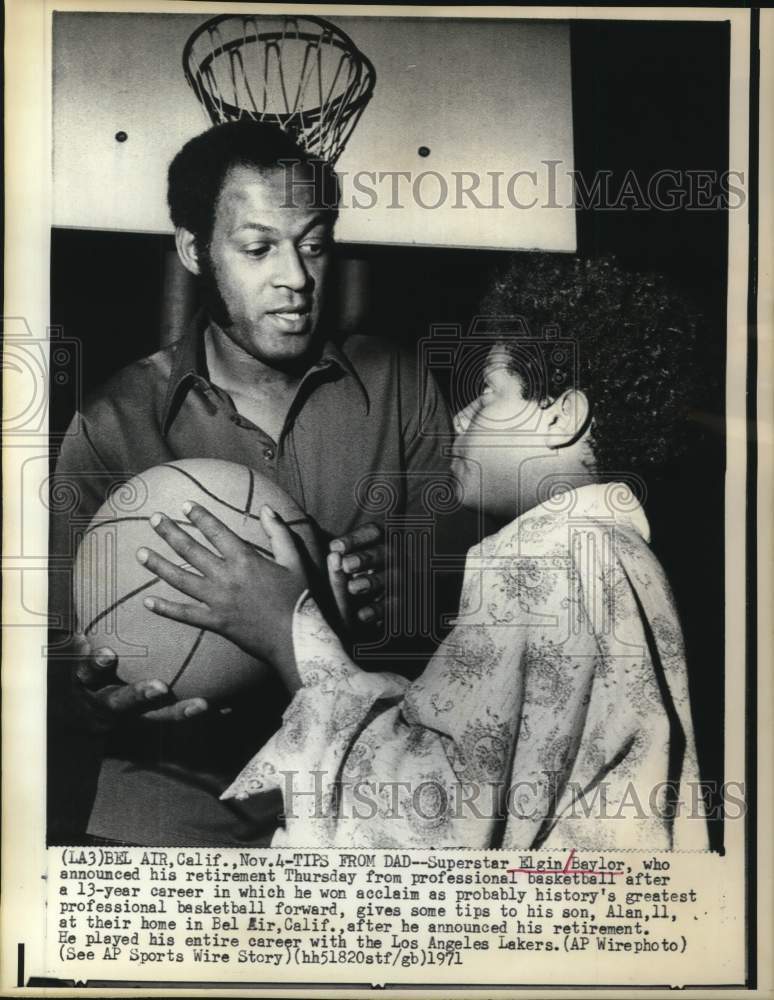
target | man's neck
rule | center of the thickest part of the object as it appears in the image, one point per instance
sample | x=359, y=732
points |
x=234, y=370
x=258, y=391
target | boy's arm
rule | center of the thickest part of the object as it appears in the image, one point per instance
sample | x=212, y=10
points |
x=358, y=764
x=341, y=717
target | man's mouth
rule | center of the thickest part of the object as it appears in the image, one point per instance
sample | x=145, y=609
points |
x=292, y=321
x=291, y=315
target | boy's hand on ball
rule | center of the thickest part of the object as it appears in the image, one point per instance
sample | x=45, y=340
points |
x=236, y=591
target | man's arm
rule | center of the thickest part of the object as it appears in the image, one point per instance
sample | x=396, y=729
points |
x=79, y=485
x=432, y=495
x=427, y=433
x=99, y=701
x=358, y=558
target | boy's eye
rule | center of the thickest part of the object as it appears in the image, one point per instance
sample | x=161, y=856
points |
x=314, y=248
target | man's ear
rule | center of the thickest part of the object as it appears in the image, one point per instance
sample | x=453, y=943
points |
x=570, y=415
x=187, y=250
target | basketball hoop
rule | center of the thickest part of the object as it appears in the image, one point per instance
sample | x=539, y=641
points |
x=300, y=73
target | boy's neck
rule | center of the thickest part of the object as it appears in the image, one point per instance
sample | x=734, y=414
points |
x=568, y=469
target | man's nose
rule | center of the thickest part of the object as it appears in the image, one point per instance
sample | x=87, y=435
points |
x=289, y=270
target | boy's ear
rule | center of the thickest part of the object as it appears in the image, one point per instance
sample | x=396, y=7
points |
x=570, y=415
x=187, y=250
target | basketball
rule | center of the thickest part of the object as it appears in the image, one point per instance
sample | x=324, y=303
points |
x=110, y=584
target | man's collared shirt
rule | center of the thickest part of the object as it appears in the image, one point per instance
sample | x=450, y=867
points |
x=365, y=424
x=362, y=415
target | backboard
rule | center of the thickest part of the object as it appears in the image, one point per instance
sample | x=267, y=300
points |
x=466, y=113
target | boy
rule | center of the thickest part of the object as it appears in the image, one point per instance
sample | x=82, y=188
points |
x=556, y=713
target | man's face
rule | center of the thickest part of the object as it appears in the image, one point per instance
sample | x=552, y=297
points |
x=502, y=443
x=269, y=263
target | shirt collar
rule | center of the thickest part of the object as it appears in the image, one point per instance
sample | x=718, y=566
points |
x=612, y=502
x=189, y=364
x=332, y=354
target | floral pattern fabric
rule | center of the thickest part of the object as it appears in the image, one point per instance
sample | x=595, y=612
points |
x=555, y=714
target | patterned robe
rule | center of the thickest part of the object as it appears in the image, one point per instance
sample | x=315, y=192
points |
x=555, y=714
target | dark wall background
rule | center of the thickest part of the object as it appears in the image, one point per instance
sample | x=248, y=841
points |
x=647, y=97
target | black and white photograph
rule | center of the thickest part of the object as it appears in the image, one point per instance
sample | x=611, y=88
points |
x=385, y=483
x=336, y=388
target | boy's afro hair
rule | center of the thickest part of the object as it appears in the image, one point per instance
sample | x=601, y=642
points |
x=633, y=342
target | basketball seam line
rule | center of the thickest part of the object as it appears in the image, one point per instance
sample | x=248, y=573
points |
x=250, y=490
x=115, y=604
x=187, y=660
x=195, y=481
x=133, y=593
x=127, y=597
x=135, y=517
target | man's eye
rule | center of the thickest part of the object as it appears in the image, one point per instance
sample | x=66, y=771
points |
x=257, y=251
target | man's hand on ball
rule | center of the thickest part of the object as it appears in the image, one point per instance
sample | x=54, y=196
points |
x=236, y=591
x=106, y=702
x=356, y=573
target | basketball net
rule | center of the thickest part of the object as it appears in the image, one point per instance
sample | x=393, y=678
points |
x=300, y=73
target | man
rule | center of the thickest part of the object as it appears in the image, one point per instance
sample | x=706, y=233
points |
x=260, y=380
